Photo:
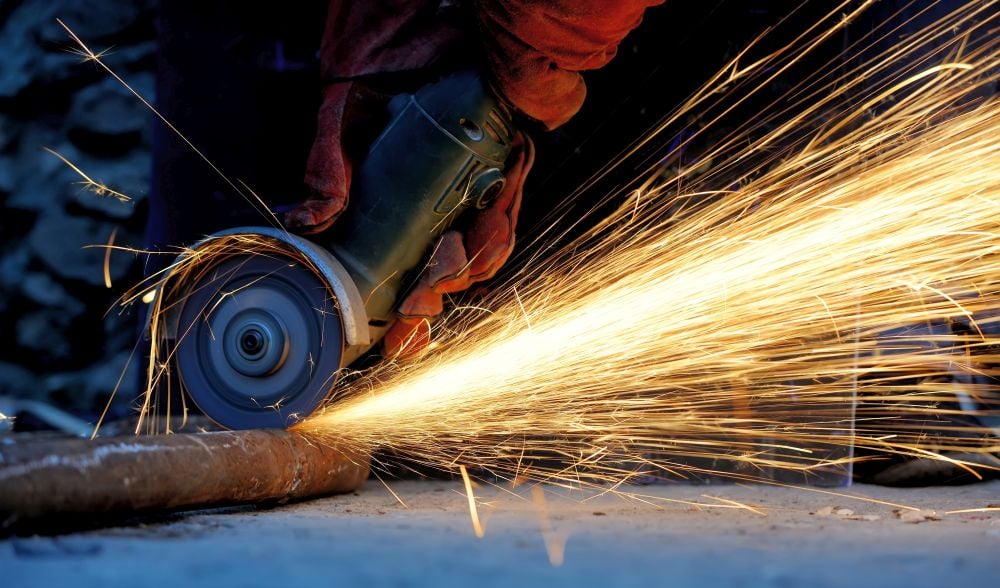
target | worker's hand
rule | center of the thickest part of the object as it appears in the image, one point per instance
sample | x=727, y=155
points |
x=375, y=39
x=459, y=260
x=349, y=117
x=534, y=51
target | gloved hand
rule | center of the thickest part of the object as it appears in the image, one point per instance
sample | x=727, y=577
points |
x=459, y=260
x=346, y=125
x=534, y=50
x=365, y=41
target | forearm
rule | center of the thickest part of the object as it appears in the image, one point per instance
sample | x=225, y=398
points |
x=536, y=49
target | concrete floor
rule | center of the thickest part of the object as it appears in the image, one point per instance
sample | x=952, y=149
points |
x=369, y=539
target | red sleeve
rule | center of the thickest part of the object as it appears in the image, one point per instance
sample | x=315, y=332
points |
x=537, y=47
x=383, y=36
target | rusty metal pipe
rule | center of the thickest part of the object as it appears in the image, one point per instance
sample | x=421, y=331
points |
x=158, y=472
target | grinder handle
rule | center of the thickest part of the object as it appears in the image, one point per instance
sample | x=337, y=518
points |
x=442, y=151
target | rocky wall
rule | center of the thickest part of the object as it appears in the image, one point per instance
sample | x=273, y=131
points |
x=64, y=341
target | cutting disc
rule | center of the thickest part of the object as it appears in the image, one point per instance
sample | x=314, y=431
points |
x=259, y=341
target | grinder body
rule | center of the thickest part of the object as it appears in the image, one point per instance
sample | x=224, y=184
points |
x=258, y=342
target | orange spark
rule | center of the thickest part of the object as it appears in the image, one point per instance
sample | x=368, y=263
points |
x=477, y=527
x=107, y=258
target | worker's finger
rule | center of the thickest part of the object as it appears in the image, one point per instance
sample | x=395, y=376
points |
x=314, y=215
x=451, y=268
x=407, y=338
x=448, y=263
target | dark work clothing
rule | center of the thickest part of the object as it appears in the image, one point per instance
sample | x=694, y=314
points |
x=240, y=80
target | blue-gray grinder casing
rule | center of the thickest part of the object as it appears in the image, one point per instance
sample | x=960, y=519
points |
x=443, y=151
x=259, y=340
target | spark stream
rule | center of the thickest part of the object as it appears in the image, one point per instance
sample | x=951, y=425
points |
x=746, y=328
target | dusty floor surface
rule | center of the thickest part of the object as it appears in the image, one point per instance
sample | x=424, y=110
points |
x=798, y=538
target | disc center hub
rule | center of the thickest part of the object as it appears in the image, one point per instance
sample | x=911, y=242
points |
x=255, y=343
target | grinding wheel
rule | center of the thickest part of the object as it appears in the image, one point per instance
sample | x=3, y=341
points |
x=260, y=340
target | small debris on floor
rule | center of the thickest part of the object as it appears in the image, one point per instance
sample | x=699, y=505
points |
x=916, y=516
x=845, y=513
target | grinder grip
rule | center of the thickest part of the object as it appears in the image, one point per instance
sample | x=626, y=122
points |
x=442, y=151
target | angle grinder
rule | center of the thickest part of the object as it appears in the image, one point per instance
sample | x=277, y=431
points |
x=258, y=338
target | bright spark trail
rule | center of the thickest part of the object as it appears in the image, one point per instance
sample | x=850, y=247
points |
x=766, y=326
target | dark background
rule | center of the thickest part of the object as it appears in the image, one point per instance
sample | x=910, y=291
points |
x=64, y=341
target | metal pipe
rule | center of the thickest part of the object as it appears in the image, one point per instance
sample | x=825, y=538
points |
x=46, y=478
